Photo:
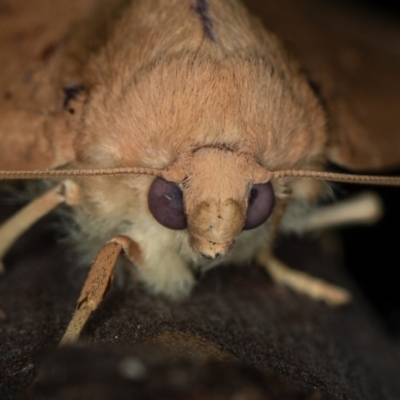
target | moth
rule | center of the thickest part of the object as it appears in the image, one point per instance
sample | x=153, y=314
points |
x=182, y=134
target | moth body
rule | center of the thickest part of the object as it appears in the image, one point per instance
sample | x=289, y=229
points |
x=202, y=88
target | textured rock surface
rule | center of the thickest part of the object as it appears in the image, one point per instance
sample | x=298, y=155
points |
x=233, y=315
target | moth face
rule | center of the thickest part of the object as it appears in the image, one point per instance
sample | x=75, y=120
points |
x=216, y=202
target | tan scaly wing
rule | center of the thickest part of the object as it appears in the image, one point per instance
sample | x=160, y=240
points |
x=353, y=55
x=34, y=130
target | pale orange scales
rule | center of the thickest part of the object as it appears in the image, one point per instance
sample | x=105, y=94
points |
x=362, y=101
x=197, y=92
x=34, y=129
x=353, y=56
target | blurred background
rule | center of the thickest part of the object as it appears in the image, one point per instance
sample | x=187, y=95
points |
x=378, y=245
x=385, y=5
x=372, y=256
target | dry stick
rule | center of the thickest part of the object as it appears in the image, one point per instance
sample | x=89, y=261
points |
x=98, y=283
x=25, y=218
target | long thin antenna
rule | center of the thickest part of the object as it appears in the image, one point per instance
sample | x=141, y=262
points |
x=339, y=177
x=68, y=173
x=168, y=173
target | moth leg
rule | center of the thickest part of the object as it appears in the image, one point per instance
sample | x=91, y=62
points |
x=365, y=208
x=98, y=282
x=25, y=218
x=302, y=282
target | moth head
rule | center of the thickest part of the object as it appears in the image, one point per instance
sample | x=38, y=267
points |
x=220, y=196
x=215, y=193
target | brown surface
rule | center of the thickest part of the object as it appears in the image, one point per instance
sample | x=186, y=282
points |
x=233, y=314
x=103, y=375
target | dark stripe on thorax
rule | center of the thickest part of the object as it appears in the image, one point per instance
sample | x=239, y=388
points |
x=200, y=7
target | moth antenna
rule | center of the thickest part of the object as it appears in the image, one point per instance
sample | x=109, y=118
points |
x=68, y=173
x=176, y=175
x=338, y=177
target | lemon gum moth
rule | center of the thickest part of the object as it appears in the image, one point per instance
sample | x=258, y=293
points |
x=186, y=138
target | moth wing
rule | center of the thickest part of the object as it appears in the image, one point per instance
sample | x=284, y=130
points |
x=352, y=56
x=34, y=132
x=31, y=140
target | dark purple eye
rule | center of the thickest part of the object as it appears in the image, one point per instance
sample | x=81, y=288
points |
x=166, y=204
x=261, y=204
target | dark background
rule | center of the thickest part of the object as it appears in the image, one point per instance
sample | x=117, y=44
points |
x=385, y=5
x=372, y=254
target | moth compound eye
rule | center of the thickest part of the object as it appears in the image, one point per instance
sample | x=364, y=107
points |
x=261, y=204
x=166, y=204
